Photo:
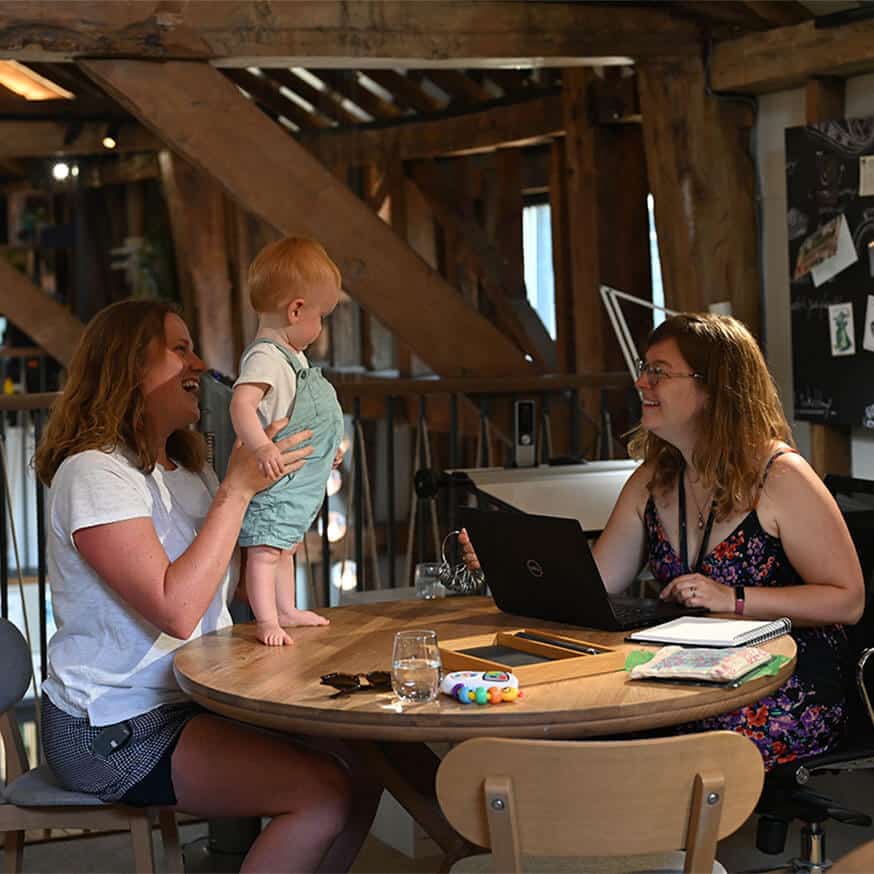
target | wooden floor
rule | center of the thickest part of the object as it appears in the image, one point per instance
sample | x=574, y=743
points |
x=111, y=854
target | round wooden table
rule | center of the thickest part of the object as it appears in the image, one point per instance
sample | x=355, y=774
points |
x=278, y=687
x=231, y=673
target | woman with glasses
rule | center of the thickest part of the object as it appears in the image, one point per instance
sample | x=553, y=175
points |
x=728, y=516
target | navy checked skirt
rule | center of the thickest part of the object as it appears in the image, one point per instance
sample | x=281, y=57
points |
x=136, y=773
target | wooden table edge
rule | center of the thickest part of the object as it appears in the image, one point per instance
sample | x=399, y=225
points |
x=447, y=727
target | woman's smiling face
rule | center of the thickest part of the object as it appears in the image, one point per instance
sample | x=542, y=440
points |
x=673, y=398
x=171, y=378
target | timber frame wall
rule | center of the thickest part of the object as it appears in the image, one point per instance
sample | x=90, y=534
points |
x=436, y=278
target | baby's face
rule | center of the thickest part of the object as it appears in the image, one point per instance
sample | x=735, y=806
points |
x=319, y=302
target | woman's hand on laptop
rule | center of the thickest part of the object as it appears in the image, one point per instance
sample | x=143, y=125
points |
x=696, y=590
x=468, y=556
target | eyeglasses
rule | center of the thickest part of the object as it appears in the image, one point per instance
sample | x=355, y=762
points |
x=372, y=681
x=655, y=374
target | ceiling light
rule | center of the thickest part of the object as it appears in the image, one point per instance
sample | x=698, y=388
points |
x=110, y=138
x=61, y=171
x=29, y=84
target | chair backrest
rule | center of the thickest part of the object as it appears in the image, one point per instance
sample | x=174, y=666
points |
x=14, y=679
x=600, y=798
x=855, y=498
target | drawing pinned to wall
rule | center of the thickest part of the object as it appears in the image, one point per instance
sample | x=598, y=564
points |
x=868, y=333
x=844, y=256
x=840, y=322
x=820, y=245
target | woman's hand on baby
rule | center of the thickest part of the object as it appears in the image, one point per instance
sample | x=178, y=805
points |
x=244, y=471
x=269, y=460
x=468, y=556
x=696, y=590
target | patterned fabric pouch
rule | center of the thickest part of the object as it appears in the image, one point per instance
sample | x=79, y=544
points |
x=701, y=664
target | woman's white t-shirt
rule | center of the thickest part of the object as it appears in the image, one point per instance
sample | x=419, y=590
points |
x=106, y=661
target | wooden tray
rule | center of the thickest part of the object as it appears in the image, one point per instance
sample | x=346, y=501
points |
x=563, y=663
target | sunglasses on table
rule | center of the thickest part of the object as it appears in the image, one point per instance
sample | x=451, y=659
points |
x=346, y=684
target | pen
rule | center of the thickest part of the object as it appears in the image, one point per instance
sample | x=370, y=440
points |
x=564, y=644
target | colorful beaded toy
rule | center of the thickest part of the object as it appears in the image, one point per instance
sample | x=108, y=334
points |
x=481, y=687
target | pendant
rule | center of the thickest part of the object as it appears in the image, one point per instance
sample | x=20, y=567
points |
x=700, y=521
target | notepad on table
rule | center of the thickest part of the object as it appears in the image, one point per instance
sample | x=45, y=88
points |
x=709, y=631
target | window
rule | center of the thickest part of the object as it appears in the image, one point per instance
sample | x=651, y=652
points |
x=658, y=291
x=537, y=258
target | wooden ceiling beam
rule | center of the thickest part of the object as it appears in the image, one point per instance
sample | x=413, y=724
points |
x=406, y=92
x=787, y=57
x=85, y=108
x=67, y=76
x=778, y=13
x=31, y=139
x=461, y=89
x=203, y=117
x=345, y=83
x=518, y=124
x=52, y=326
x=266, y=94
x=378, y=33
x=323, y=101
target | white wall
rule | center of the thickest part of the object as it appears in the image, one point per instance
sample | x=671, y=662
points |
x=777, y=112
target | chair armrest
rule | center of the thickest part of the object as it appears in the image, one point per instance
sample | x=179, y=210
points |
x=860, y=681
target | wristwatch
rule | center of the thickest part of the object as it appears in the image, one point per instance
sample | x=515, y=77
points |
x=739, y=600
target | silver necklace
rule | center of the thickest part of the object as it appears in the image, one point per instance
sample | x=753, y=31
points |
x=701, y=520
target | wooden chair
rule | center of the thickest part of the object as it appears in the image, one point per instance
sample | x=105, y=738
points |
x=601, y=798
x=32, y=798
x=858, y=861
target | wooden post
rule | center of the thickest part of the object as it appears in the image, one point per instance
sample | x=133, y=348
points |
x=581, y=185
x=702, y=178
x=197, y=219
x=830, y=450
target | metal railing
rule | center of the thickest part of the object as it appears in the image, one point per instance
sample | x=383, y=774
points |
x=464, y=413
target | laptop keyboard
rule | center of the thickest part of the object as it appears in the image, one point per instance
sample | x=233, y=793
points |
x=632, y=612
x=641, y=611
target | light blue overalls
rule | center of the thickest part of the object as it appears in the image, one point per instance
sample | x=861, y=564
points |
x=280, y=515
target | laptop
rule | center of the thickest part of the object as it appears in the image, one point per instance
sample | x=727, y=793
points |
x=542, y=567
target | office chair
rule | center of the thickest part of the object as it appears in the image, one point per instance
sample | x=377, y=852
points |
x=32, y=798
x=601, y=798
x=787, y=795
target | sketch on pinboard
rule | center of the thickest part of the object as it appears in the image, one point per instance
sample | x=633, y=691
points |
x=841, y=330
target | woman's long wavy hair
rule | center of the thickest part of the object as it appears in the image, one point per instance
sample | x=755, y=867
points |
x=742, y=418
x=102, y=405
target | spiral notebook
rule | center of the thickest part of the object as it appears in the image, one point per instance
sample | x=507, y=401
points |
x=708, y=631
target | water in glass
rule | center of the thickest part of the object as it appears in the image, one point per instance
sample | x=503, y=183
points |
x=427, y=580
x=415, y=666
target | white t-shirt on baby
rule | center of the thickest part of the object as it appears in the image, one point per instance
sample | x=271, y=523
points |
x=105, y=661
x=266, y=364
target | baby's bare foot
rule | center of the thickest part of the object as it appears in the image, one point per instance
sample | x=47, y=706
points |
x=271, y=634
x=301, y=617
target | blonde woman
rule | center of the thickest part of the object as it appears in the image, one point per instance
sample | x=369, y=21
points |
x=728, y=516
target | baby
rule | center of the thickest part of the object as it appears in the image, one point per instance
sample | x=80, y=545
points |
x=293, y=286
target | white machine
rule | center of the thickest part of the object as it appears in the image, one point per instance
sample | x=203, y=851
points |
x=587, y=492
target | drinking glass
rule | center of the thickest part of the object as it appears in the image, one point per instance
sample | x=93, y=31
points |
x=415, y=666
x=427, y=580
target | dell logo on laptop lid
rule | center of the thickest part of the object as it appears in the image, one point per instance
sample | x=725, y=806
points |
x=534, y=568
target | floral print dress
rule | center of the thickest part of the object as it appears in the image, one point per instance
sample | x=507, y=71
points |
x=807, y=714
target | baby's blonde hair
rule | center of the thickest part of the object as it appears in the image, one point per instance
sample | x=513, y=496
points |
x=285, y=270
